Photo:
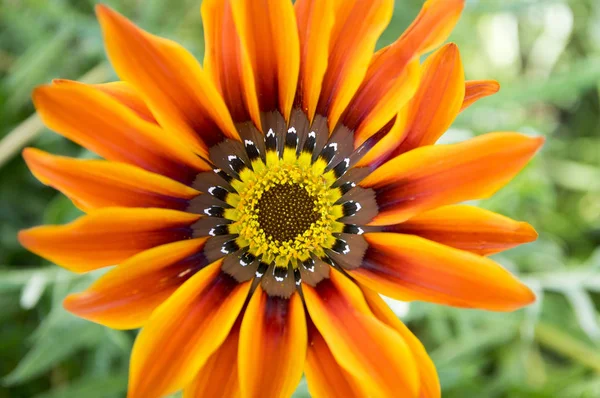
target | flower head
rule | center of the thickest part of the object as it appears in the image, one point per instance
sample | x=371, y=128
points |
x=256, y=207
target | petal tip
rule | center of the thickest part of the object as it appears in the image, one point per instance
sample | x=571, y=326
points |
x=39, y=94
x=29, y=153
x=540, y=140
x=451, y=47
x=106, y=15
x=103, y=10
x=521, y=297
x=70, y=303
x=57, y=82
x=528, y=297
x=78, y=304
x=493, y=86
x=24, y=237
x=528, y=233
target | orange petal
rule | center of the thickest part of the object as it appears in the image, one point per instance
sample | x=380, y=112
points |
x=357, y=26
x=430, y=111
x=98, y=183
x=467, y=228
x=107, y=236
x=227, y=63
x=477, y=89
x=183, y=100
x=437, y=101
x=433, y=176
x=104, y=125
x=218, y=377
x=315, y=23
x=272, y=346
x=123, y=92
x=126, y=296
x=269, y=34
x=430, y=383
x=183, y=333
x=372, y=352
x=408, y=267
x=381, y=151
x=324, y=376
x=393, y=74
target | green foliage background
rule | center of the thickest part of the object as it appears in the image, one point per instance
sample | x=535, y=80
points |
x=547, y=58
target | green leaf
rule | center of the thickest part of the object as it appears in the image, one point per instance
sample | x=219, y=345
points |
x=90, y=387
x=57, y=338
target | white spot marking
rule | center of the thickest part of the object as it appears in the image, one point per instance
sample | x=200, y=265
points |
x=346, y=249
x=184, y=273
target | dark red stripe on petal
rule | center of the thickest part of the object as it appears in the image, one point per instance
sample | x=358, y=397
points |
x=92, y=184
x=219, y=375
x=100, y=123
x=437, y=175
x=325, y=377
x=467, y=228
x=371, y=352
x=184, y=332
x=393, y=73
x=180, y=95
x=408, y=267
x=273, y=334
x=125, y=297
x=107, y=236
x=225, y=63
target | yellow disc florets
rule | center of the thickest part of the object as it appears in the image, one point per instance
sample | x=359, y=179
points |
x=285, y=210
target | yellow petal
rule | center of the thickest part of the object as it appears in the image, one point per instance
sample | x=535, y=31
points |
x=365, y=347
x=315, y=24
x=93, y=184
x=393, y=75
x=104, y=125
x=107, y=236
x=357, y=26
x=272, y=346
x=467, y=228
x=430, y=383
x=183, y=333
x=408, y=267
x=269, y=34
x=227, y=63
x=181, y=97
x=437, y=175
x=126, y=296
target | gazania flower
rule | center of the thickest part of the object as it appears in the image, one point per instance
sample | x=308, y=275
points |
x=255, y=208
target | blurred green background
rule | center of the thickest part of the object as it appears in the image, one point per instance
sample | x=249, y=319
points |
x=546, y=55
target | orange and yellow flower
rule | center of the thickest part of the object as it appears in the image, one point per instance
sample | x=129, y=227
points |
x=255, y=207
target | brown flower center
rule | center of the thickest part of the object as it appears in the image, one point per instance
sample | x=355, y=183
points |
x=286, y=211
